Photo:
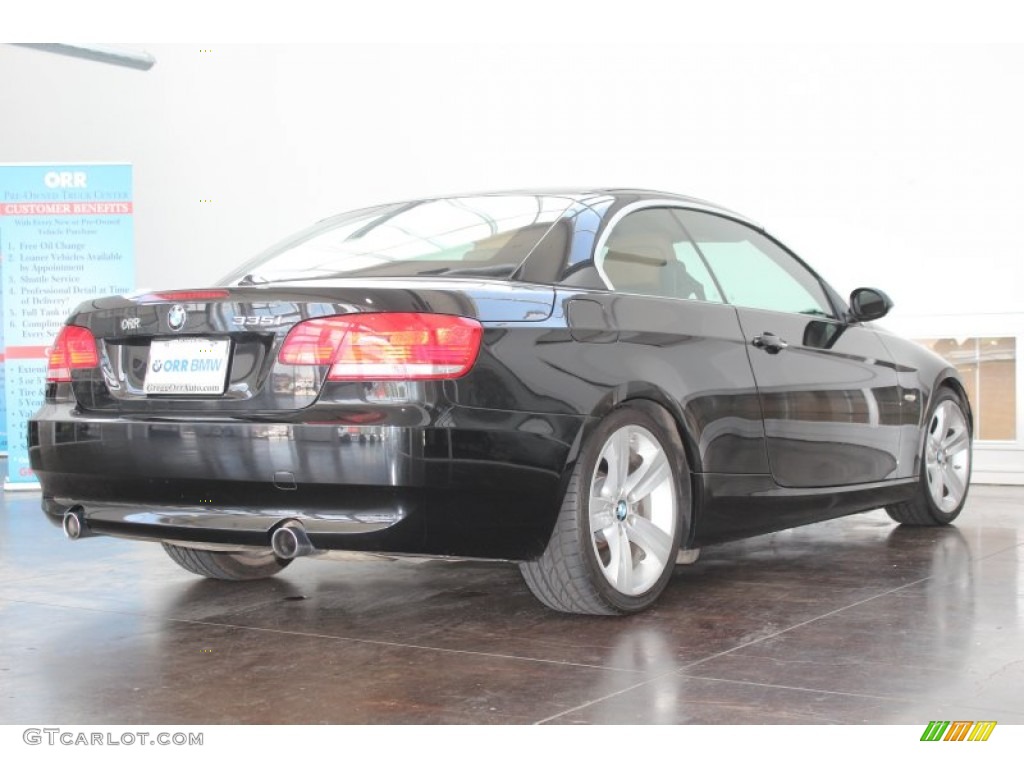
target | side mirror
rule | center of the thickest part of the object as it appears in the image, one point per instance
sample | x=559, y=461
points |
x=868, y=304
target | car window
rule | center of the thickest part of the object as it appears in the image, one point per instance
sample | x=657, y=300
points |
x=648, y=252
x=752, y=270
x=486, y=236
x=691, y=260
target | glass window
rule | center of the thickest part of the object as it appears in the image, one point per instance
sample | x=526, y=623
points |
x=471, y=236
x=988, y=366
x=648, y=252
x=752, y=270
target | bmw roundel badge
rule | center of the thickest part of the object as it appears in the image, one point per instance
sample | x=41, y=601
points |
x=176, y=317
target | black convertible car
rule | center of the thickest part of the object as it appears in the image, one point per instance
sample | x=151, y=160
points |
x=592, y=383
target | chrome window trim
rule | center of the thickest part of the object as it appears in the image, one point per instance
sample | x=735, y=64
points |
x=653, y=203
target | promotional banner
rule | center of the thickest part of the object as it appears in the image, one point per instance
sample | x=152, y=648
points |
x=3, y=384
x=66, y=235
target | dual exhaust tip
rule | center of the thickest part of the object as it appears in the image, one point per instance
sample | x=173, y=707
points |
x=74, y=524
x=288, y=542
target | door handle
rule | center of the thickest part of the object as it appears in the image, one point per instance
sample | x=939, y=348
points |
x=770, y=343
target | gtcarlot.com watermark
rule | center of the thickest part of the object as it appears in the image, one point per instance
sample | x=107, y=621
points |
x=60, y=737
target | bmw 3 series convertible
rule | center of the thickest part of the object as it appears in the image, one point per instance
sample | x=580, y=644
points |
x=592, y=383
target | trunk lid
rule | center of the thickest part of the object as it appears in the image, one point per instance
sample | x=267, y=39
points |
x=215, y=351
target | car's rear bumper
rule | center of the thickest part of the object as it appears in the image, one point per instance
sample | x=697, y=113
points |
x=486, y=484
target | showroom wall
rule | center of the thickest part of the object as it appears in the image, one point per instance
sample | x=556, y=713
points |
x=894, y=166
x=899, y=167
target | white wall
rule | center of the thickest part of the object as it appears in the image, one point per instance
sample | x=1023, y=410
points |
x=900, y=167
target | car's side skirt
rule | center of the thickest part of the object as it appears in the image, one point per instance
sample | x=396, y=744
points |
x=736, y=506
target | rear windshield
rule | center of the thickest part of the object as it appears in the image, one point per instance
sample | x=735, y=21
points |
x=487, y=236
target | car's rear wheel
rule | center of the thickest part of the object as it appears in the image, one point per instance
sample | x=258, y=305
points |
x=945, y=466
x=227, y=566
x=624, y=513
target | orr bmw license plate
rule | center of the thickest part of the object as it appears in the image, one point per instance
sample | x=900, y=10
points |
x=187, y=366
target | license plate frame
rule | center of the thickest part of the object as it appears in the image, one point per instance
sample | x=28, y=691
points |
x=187, y=366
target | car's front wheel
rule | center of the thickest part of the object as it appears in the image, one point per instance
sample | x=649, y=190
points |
x=624, y=513
x=945, y=466
x=227, y=566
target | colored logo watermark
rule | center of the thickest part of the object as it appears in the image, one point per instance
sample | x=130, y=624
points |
x=958, y=730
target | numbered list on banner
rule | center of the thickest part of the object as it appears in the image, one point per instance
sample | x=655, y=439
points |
x=66, y=235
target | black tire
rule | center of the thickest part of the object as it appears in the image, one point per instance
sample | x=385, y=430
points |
x=570, y=576
x=226, y=566
x=928, y=505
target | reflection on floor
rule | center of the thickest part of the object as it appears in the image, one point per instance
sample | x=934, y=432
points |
x=852, y=621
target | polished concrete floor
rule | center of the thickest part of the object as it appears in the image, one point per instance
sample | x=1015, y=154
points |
x=851, y=621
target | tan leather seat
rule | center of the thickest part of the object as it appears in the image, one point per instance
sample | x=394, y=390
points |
x=636, y=265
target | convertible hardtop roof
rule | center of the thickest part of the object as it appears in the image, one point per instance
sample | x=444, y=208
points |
x=582, y=194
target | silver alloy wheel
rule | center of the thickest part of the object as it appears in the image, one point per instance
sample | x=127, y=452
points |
x=947, y=456
x=633, y=510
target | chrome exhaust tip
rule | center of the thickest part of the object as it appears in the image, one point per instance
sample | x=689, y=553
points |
x=74, y=525
x=290, y=541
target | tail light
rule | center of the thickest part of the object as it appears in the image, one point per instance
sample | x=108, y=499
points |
x=202, y=295
x=392, y=345
x=74, y=348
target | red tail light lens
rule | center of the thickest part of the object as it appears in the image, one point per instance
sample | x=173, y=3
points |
x=204, y=295
x=75, y=347
x=392, y=345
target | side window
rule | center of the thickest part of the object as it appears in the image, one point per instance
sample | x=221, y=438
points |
x=701, y=285
x=648, y=252
x=752, y=270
